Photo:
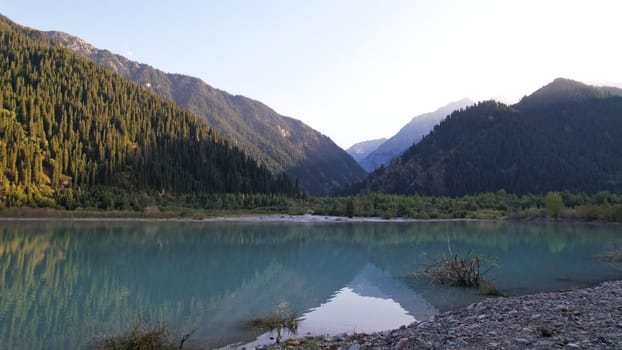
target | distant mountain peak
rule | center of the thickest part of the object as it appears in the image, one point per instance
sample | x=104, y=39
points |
x=458, y=104
x=564, y=90
x=360, y=150
x=563, y=86
x=410, y=134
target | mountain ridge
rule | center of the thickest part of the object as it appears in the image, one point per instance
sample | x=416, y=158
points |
x=362, y=149
x=563, y=90
x=282, y=144
x=409, y=134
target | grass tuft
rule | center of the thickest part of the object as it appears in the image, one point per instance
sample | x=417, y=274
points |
x=489, y=288
x=142, y=336
x=277, y=321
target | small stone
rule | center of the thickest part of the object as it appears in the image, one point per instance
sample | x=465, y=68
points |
x=543, y=343
x=461, y=341
x=401, y=343
x=354, y=346
x=493, y=345
x=572, y=346
x=545, y=332
x=522, y=340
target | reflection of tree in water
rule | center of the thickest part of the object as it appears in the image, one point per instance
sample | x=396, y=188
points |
x=185, y=274
x=63, y=282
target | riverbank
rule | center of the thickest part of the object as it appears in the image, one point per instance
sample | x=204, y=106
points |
x=588, y=318
x=149, y=213
x=219, y=216
x=256, y=215
x=599, y=207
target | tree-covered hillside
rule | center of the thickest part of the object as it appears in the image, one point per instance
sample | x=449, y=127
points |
x=572, y=142
x=280, y=143
x=67, y=124
x=565, y=90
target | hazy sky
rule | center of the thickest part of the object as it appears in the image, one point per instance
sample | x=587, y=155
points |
x=354, y=69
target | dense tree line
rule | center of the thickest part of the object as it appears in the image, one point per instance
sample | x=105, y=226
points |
x=68, y=126
x=603, y=206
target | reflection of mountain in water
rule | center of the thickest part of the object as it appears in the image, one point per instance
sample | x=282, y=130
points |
x=370, y=302
x=373, y=282
x=302, y=281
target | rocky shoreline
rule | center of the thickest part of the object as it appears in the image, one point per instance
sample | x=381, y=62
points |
x=588, y=318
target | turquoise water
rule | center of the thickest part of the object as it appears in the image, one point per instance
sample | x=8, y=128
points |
x=62, y=284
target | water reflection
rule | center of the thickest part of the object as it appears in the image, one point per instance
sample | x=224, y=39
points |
x=348, y=311
x=62, y=283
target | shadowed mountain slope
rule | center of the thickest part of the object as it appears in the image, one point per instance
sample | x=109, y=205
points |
x=565, y=136
x=280, y=143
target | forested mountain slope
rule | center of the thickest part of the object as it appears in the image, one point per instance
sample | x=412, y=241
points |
x=566, y=136
x=67, y=125
x=280, y=143
x=563, y=91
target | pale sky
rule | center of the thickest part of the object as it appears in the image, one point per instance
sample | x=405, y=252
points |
x=354, y=69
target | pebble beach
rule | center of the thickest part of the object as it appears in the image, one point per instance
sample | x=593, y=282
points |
x=589, y=318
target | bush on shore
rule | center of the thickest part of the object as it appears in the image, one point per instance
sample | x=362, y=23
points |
x=142, y=336
x=461, y=271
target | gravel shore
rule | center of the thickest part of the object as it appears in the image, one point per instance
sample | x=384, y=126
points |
x=588, y=318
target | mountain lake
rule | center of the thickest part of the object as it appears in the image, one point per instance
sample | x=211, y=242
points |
x=63, y=284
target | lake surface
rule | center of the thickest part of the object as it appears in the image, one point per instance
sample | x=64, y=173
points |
x=64, y=283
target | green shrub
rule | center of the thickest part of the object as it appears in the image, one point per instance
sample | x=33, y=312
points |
x=554, y=204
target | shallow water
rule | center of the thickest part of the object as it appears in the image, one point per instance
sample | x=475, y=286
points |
x=62, y=284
